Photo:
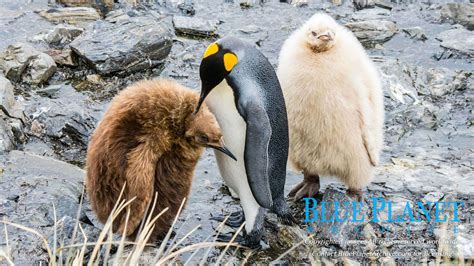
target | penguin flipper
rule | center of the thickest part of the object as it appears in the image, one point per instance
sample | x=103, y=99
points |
x=256, y=158
x=140, y=176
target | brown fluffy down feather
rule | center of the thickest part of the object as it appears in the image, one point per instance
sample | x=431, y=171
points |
x=148, y=139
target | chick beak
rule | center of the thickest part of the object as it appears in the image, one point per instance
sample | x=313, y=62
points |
x=222, y=148
x=327, y=36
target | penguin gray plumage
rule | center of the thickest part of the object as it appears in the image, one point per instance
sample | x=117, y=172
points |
x=242, y=74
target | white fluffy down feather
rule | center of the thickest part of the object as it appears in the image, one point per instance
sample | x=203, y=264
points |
x=334, y=101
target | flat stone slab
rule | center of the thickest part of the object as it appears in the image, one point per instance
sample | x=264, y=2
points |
x=196, y=27
x=126, y=46
x=371, y=32
x=101, y=5
x=71, y=15
x=458, y=41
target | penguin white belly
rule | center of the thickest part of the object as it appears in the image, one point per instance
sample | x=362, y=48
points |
x=222, y=104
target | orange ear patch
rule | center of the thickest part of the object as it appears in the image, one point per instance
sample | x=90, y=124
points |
x=230, y=60
x=211, y=49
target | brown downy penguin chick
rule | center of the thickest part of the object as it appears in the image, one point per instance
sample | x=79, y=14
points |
x=150, y=140
x=335, y=106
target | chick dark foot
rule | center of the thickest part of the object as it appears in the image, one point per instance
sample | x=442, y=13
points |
x=251, y=240
x=236, y=219
x=308, y=188
x=356, y=194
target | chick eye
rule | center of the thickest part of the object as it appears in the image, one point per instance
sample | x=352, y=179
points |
x=204, y=138
x=314, y=33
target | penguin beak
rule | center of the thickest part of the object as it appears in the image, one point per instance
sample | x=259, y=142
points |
x=204, y=92
x=201, y=100
x=222, y=148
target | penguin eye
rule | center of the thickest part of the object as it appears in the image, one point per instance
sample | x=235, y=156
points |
x=314, y=33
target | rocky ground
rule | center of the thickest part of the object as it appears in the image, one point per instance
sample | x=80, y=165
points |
x=61, y=66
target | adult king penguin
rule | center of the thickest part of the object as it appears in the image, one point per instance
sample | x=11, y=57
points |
x=242, y=90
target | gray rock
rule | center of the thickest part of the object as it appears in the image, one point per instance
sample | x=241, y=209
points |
x=16, y=59
x=372, y=32
x=62, y=57
x=371, y=14
x=299, y=3
x=6, y=136
x=440, y=81
x=64, y=233
x=433, y=196
x=416, y=33
x=456, y=244
x=71, y=15
x=40, y=69
x=420, y=115
x=116, y=16
x=196, y=27
x=7, y=99
x=465, y=243
x=125, y=47
x=386, y=4
x=91, y=82
x=460, y=13
x=31, y=184
x=62, y=34
x=404, y=87
x=360, y=4
x=397, y=84
x=457, y=42
x=21, y=61
x=249, y=29
x=18, y=127
x=249, y=3
x=49, y=91
x=11, y=117
x=65, y=121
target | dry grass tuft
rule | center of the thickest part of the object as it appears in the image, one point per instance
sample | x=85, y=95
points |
x=75, y=254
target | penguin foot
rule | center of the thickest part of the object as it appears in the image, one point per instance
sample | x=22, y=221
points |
x=228, y=237
x=283, y=212
x=251, y=240
x=356, y=194
x=287, y=219
x=308, y=188
x=235, y=220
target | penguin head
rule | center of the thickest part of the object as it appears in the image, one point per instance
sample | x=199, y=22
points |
x=320, y=32
x=202, y=129
x=217, y=63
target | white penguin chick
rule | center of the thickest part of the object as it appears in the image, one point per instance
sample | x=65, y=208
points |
x=335, y=107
